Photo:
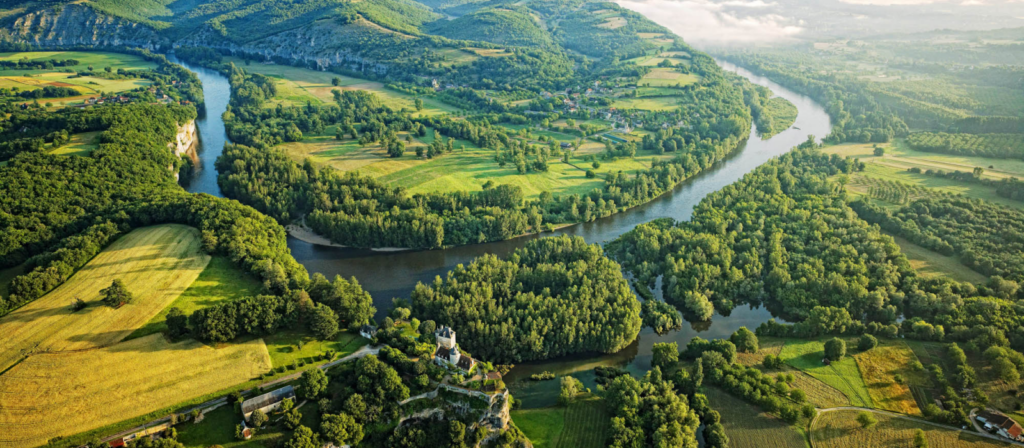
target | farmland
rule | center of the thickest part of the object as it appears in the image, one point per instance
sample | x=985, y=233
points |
x=746, y=426
x=839, y=429
x=842, y=375
x=34, y=79
x=221, y=281
x=818, y=393
x=583, y=424
x=929, y=263
x=55, y=394
x=880, y=365
x=667, y=77
x=296, y=86
x=156, y=264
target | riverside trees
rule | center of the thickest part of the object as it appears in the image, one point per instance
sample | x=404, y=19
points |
x=555, y=296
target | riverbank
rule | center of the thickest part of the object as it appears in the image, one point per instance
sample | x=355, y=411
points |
x=307, y=235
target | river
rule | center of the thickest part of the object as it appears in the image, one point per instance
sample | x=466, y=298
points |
x=394, y=274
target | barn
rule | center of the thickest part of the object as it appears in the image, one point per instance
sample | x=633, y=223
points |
x=267, y=402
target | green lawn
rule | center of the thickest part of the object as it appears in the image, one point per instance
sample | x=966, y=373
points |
x=288, y=346
x=218, y=428
x=582, y=424
x=221, y=281
x=843, y=375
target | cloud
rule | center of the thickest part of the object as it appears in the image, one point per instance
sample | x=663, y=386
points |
x=718, y=22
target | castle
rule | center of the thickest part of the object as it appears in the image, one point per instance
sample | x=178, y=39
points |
x=447, y=354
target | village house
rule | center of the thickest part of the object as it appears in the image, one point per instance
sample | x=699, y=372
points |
x=1001, y=424
x=447, y=354
x=267, y=402
x=368, y=331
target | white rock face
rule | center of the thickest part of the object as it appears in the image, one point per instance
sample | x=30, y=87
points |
x=79, y=25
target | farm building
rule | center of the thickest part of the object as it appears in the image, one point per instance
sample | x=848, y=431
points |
x=267, y=402
x=1001, y=424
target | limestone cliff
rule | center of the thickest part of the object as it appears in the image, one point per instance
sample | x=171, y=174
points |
x=74, y=25
x=185, y=143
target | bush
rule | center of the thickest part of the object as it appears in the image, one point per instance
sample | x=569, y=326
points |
x=867, y=342
x=835, y=349
x=866, y=420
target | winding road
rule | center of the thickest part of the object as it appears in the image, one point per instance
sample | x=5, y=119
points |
x=981, y=432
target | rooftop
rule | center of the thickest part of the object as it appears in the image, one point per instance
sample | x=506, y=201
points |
x=267, y=399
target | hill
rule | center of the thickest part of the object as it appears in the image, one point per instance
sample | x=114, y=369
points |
x=499, y=26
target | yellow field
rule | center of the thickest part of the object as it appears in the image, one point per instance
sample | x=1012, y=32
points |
x=879, y=365
x=840, y=429
x=667, y=77
x=156, y=264
x=68, y=393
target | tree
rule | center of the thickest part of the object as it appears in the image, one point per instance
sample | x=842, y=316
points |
x=1006, y=370
x=866, y=420
x=665, y=355
x=177, y=323
x=919, y=439
x=314, y=383
x=835, y=349
x=303, y=437
x=879, y=151
x=341, y=429
x=335, y=81
x=419, y=104
x=797, y=395
x=323, y=322
x=570, y=388
x=258, y=418
x=867, y=342
x=292, y=418
x=116, y=294
x=745, y=340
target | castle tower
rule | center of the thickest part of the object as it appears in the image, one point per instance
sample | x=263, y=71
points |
x=445, y=337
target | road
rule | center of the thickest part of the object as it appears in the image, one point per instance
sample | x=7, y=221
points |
x=980, y=433
x=363, y=351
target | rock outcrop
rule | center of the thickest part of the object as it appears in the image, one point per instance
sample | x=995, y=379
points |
x=75, y=25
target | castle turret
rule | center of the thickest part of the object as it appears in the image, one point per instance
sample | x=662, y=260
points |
x=445, y=337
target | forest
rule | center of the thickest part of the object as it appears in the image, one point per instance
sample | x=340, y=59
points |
x=555, y=296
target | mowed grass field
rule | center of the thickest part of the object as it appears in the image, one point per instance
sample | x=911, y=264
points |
x=582, y=424
x=288, y=346
x=296, y=86
x=748, y=427
x=80, y=145
x=843, y=375
x=221, y=281
x=61, y=394
x=156, y=264
x=880, y=365
x=839, y=429
x=820, y=394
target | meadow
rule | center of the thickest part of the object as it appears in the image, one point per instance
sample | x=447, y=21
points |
x=820, y=394
x=61, y=394
x=156, y=264
x=929, y=263
x=582, y=424
x=667, y=77
x=839, y=429
x=843, y=375
x=88, y=86
x=880, y=365
x=748, y=427
x=292, y=346
x=81, y=145
x=221, y=281
x=296, y=86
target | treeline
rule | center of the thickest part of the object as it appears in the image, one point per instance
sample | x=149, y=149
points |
x=45, y=92
x=1007, y=146
x=986, y=237
x=555, y=296
x=47, y=64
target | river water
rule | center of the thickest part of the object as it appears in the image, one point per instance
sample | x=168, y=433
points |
x=394, y=274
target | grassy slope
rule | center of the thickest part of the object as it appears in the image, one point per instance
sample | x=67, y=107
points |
x=929, y=263
x=818, y=393
x=80, y=145
x=156, y=264
x=284, y=346
x=68, y=393
x=843, y=375
x=542, y=426
x=747, y=427
x=841, y=430
x=221, y=281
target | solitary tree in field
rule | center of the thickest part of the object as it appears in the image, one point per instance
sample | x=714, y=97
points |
x=835, y=349
x=866, y=420
x=745, y=340
x=867, y=342
x=419, y=104
x=335, y=81
x=919, y=440
x=879, y=151
x=116, y=294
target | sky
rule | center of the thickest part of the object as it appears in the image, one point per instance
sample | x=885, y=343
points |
x=712, y=23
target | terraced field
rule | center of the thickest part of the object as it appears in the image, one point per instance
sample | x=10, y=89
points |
x=156, y=264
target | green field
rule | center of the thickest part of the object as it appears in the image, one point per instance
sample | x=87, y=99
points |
x=582, y=424
x=667, y=77
x=221, y=281
x=296, y=86
x=929, y=263
x=80, y=145
x=99, y=60
x=747, y=426
x=218, y=429
x=88, y=86
x=843, y=375
x=291, y=346
x=651, y=103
